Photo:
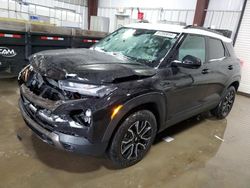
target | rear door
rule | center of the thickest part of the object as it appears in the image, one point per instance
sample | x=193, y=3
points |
x=219, y=69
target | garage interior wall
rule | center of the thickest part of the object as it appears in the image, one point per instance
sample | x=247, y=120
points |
x=223, y=14
x=178, y=10
x=242, y=46
x=66, y=13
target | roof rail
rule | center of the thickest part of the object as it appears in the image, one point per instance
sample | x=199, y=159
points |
x=205, y=29
x=172, y=22
x=188, y=26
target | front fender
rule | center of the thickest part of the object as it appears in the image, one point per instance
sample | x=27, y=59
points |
x=156, y=98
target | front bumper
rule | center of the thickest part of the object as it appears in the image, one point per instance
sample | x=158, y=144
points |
x=62, y=141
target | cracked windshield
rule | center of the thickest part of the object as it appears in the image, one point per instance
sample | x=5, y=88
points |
x=141, y=45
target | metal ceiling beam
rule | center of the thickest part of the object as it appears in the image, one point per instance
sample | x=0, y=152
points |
x=92, y=9
x=200, y=12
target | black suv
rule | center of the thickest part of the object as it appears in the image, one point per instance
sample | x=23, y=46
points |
x=115, y=97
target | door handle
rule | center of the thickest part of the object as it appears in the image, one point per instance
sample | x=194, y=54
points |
x=205, y=71
x=230, y=67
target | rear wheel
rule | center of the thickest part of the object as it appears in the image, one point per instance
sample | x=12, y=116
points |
x=226, y=104
x=133, y=138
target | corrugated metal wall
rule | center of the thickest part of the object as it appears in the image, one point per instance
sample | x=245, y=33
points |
x=109, y=13
x=224, y=14
x=150, y=14
x=220, y=19
x=166, y=4
x=242, y=47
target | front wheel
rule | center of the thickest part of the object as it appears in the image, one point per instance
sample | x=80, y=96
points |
x=226, y=104
x=133, y=139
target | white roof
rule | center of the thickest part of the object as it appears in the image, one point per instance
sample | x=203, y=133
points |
x=178, y=29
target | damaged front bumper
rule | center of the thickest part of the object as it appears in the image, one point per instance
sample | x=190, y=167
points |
x=46, y=119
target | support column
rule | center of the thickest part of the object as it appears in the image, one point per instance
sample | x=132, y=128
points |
x=200, y=12
x=92, y=9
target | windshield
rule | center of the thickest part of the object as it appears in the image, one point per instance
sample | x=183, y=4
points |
x=144, y=46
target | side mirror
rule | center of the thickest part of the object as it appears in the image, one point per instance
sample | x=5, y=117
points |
x=188, y=61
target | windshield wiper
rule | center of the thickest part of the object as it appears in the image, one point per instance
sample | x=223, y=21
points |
x=119, y=54
x=141, y=61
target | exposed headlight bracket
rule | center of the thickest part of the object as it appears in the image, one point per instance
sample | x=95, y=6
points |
x=85, y=89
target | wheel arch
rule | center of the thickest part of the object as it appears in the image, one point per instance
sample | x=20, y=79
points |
x=235, y=84
x=154, y=102
x=234, y=81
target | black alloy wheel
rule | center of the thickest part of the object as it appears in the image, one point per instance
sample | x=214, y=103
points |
x=136, y=139
x=226, y=104
x=133, y=138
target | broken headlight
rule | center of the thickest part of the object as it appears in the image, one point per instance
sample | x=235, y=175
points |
x=24, y=73
x=85, y=89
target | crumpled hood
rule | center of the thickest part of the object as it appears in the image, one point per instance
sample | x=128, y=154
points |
x=87, y=65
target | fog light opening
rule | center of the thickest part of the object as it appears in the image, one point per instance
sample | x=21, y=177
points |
x=81, y=118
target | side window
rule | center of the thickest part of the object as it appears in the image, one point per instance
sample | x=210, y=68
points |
x=216, y=49
x=192, y=45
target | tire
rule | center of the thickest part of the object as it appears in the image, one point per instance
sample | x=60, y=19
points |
x=133, y=139
x=226, y=104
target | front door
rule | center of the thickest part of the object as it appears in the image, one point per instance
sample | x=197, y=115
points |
x=186, y=87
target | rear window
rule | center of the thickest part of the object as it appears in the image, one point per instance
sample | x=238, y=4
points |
x=216, y=49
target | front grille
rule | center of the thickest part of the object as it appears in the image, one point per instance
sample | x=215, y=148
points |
x=52, y=122
x=47, y=122
x=33, y=113
x=44, y=87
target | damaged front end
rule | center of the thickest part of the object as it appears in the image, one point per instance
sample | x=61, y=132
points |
x=68, y=96
x=59, y=111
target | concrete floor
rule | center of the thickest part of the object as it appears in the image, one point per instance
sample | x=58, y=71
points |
x=196, y=158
